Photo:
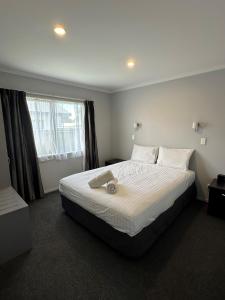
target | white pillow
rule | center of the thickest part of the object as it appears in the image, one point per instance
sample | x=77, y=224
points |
x=175, y=158
x=145, y=153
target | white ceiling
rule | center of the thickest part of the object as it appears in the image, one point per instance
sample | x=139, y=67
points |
x=168, y=38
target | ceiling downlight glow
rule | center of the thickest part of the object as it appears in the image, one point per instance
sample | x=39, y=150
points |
x=130, y=63
x=59, y=30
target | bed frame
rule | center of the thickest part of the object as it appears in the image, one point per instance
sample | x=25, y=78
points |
x=132, y=247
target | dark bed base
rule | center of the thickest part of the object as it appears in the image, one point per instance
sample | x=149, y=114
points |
x=129, y=246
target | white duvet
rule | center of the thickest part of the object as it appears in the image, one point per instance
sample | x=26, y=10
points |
x=144, y=192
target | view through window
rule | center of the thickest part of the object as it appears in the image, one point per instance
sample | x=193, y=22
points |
x=58, y=127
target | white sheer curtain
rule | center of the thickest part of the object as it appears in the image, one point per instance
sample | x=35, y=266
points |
x=58, y=127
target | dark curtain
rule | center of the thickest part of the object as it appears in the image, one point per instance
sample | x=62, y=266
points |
x=23, y=162
x=91, y=149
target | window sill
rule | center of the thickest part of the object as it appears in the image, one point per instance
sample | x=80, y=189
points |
x=60, y=157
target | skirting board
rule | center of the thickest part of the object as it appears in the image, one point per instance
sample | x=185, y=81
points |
x=202, y=199
x=47, y=191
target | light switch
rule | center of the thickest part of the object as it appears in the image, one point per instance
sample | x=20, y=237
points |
x=203, y=140
x=133, y=137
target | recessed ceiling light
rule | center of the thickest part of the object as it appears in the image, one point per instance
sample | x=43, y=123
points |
x=130, y=63
x=60, y=30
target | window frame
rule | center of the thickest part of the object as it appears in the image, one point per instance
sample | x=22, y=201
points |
x=57, y=99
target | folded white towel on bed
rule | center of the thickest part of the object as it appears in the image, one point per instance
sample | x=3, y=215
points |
x=111, y=186
x=98, y=181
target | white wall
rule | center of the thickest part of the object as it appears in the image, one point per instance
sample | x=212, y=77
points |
x=166, y=111
x=52, y=171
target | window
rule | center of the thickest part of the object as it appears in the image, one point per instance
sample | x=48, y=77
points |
x=58, y=127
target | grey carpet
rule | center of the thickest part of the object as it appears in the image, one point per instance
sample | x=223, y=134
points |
x=67, y=262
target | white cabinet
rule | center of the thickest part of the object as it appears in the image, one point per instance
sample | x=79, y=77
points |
x=15, y=227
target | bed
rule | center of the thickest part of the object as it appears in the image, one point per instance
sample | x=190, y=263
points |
x=149, y=198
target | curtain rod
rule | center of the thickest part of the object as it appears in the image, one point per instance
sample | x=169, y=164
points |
x=54, y=96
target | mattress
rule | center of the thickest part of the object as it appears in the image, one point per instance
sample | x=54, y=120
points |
x=144, y=192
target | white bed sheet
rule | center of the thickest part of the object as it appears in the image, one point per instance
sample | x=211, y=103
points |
x=144, y=192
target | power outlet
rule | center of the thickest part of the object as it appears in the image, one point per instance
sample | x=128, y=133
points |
x=203, y=141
